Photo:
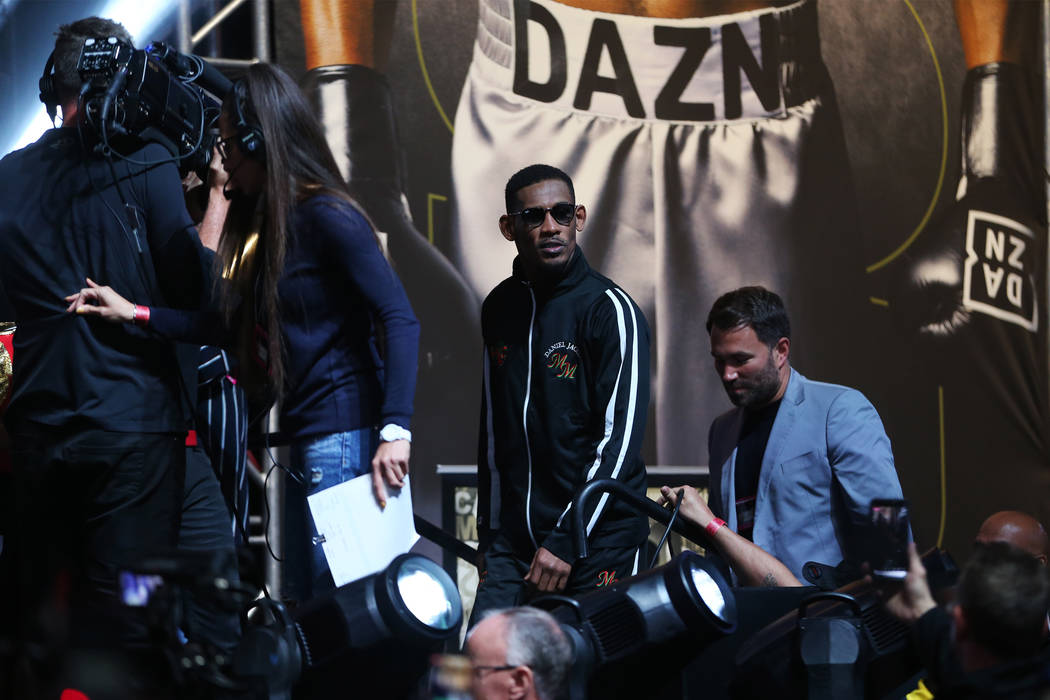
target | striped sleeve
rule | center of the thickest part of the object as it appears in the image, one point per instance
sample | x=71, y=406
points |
x=620, y=352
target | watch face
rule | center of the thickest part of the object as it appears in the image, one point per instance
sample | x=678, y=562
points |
x=389, y=433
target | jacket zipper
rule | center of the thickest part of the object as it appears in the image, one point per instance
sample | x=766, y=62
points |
x=525, y=422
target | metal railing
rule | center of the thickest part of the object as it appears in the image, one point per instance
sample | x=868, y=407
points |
x=188, y=39
x=271, y=540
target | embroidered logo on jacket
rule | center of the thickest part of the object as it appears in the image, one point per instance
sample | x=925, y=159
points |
x=562, y=359
x=498, y=354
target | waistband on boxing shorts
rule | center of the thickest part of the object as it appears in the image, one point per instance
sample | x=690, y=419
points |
x=750, y=65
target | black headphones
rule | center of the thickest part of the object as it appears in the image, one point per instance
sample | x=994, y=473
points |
x=249, y=136
x=47, y=87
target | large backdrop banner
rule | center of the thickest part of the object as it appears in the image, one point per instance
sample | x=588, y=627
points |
x=840, y=153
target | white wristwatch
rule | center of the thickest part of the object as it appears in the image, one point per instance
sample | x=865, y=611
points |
x=392, y=431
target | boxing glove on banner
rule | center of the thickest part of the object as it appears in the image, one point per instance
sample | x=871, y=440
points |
x=984, y=256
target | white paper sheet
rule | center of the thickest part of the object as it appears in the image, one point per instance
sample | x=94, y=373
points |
x=359, y=538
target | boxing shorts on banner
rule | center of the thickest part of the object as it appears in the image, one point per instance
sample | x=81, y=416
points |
x=709, y=154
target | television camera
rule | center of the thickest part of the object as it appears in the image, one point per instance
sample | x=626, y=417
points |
x=154, y=94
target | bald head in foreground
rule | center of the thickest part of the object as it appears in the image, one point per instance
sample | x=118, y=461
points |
x=1018, y=529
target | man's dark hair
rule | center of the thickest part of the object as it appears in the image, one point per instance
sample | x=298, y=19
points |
x=1004, y=593
x=69, y=42
x=530, y=175
x=756, y=307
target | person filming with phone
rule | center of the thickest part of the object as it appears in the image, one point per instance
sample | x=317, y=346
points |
x=992, y=643
x=796, y=463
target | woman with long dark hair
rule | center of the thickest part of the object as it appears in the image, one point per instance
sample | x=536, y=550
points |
x=303, y=290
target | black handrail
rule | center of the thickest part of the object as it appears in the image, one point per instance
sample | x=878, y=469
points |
x=613, y=487
x=643, y=505
x=446, y=541
x=424, y=527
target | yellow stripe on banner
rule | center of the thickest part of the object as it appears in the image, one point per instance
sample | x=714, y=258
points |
x=878, y=302
x=426, y=75
x=944, y=471
x=944, y=152
x=431, y=198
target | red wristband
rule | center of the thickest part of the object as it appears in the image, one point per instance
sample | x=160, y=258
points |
x=141, y=315
x=714, y=526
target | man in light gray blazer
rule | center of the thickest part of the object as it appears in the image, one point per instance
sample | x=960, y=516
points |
x=796, y=463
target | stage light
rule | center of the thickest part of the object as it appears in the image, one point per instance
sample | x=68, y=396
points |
x=413, y=600
x=429, y=595
x=374, y=636
x=660, y=619
x=687, y=597
x=835, y=644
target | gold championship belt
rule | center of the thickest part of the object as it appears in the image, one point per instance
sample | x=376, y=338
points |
x=7, y=332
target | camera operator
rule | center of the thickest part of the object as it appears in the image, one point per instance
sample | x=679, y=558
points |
x=98, y=413
x=992, y=642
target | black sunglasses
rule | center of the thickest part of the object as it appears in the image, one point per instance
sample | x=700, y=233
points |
x=534, y=216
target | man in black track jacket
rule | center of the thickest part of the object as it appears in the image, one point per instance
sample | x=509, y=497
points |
x=565, y=398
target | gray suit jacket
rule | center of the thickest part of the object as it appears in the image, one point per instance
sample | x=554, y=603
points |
x=827, y=457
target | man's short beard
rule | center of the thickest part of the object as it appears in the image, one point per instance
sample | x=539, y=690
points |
x=765, y=390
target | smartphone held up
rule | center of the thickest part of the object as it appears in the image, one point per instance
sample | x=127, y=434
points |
x=890, y=528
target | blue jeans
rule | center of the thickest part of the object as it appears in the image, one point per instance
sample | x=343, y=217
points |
x=320, y=461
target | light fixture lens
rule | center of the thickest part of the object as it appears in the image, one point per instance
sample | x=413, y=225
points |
x=709, y=592
x=426, y=591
